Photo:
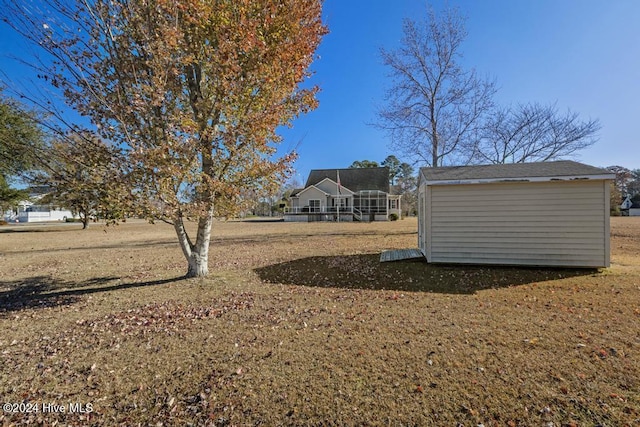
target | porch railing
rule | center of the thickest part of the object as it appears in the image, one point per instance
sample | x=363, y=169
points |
x=319, y=209
x=334, y=209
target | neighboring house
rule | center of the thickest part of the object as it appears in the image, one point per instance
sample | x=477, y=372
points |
x=629, y=208
x=29, y=212
x=32, y=211
x=537, y=214
x=354, y=194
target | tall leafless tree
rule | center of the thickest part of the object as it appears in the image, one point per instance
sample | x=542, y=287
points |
x=434, y=106
x=534, y=133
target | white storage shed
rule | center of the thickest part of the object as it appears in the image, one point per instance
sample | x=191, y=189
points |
x=533, y=214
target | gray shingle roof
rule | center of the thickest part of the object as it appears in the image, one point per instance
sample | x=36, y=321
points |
x=355, y=179
x=512, y=171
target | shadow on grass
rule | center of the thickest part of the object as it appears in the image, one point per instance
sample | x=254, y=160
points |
x=132, y=245
x=262, y=220
x=45, y=291
x=35, y=229
x=367, y=272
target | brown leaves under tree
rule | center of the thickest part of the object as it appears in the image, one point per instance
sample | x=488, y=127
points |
x=193, y=90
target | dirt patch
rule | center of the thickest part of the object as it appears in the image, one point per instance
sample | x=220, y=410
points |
x=299, y=324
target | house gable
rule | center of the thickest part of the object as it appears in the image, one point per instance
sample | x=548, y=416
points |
x=628, y=204
x=331, y=187
x=310, y=192
x=295, y=192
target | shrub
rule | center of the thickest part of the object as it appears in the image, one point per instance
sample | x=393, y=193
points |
x=393, y=217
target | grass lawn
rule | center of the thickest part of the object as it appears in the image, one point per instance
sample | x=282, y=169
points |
x=299, y=324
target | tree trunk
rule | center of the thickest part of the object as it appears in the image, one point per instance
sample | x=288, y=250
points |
x=198, y=263
x=197, y=254
x=85, y=220
x=434, y=134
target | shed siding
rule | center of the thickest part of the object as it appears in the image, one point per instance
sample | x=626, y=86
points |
x=547, y=223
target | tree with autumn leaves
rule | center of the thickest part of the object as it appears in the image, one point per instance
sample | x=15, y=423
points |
x=20, y=145
x=192, y=92
x=83, y=173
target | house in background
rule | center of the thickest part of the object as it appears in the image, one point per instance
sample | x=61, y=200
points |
x=536, y=214
x=629, y=208
x=354, y=194
x=29, y=212
x=34, y=210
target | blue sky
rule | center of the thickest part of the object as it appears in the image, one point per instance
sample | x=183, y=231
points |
x=580, y=54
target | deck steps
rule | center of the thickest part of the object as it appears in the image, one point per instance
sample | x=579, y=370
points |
x=400, y=254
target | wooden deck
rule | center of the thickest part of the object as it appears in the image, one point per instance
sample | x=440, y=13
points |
x=400, y=254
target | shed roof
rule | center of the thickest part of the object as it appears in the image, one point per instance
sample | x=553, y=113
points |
x=516, y=171
x=355, y=179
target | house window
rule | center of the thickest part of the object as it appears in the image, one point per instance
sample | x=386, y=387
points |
x=393, y=204
x=314, y=205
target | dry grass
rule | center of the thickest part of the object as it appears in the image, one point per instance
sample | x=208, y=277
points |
x=299, y=324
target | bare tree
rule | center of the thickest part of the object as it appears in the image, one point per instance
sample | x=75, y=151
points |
x=534, y=133
x=434, y=106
